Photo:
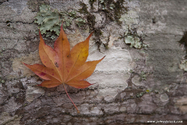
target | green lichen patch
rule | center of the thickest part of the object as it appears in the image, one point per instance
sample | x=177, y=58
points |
x=48, y=20
x=183, y=65
x=2, y=81
x=133, y=39
x=138, y=95
x=133, y=42
x=80, y=22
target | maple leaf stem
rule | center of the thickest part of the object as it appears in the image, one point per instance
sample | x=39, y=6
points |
x=70, y=98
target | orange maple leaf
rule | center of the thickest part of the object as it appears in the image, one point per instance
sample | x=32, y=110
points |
x=62, y=66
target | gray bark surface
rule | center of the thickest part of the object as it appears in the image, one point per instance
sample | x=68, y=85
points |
x=142, y=79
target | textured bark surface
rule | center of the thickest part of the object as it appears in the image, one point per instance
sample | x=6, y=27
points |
x=142, y=79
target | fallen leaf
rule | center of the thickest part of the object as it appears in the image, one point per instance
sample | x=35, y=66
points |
x=62, y=65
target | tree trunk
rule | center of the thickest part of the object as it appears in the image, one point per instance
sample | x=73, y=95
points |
x=141, y=80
